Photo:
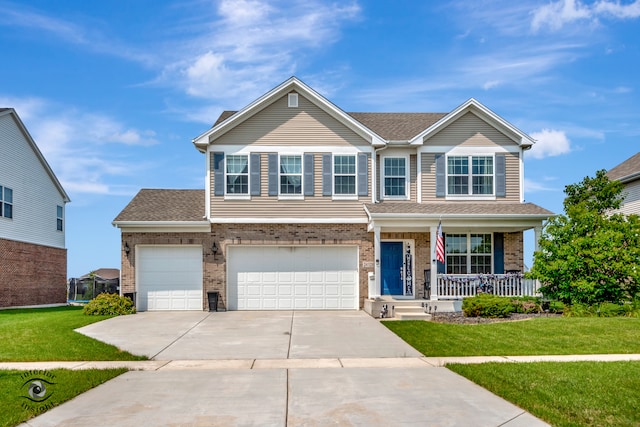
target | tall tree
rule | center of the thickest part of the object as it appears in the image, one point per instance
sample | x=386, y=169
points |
x=590, y=254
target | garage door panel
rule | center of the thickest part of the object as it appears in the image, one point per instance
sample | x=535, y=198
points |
x=169, y=278
x=301, y=277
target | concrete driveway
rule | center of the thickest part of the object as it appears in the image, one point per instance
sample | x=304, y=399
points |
x=276, y=369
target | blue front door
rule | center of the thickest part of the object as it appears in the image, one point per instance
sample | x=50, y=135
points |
x=391, y=268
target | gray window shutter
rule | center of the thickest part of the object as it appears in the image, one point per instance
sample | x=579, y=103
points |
x=218, y=173
x=308, y=174
x=273, y=174
x=254, y=178
x=441, y=175
x=363, y=174
x=501, y=176
x=327, y=174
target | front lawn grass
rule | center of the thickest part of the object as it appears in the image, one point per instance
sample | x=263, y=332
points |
x=60, y=385
x=558, y=335
x=565, y=394
x=47, y=334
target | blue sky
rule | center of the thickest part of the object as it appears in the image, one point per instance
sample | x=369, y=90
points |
x=113, y=92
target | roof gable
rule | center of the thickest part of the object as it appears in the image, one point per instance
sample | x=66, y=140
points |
x=475, y=107
x=223, y=125
x=36, y=150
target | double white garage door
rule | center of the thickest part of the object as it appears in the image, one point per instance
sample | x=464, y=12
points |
x=258, y=277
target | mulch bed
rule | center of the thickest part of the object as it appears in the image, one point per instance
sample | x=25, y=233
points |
x=459, y=318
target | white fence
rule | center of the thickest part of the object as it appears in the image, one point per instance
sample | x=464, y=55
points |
x=455, y=286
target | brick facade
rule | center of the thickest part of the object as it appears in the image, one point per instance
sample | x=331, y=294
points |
x=32, y=274
x=514, y=251
x=214, y=272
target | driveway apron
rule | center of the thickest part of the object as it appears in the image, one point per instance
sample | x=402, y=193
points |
x=281, y=368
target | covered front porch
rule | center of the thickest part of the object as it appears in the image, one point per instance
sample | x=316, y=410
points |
x=482, y=252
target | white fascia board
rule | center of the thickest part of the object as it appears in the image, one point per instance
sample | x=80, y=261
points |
x=163, y=226
x=299, y=149
x=470, y=105
x=202, y=141
x=289, y=220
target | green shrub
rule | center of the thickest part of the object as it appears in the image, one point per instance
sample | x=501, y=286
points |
x=109, y=304
x=527, y=305
x=556, y=307
x=485, y=305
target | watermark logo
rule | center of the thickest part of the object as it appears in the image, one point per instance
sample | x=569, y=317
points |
x=36, y=390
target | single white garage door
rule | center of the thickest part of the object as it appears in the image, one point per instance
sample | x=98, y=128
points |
x=169, y=277
x=292, y=277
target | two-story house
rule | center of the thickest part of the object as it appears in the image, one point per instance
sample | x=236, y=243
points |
x=628, y=173
x=309, y=207
x=33, y=257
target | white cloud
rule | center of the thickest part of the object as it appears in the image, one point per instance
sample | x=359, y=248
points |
x=557, y=14
x=531, y=186
x=78, y=145
x=549, y=143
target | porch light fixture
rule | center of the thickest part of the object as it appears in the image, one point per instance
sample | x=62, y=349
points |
x=126, y=248
x=214, y=249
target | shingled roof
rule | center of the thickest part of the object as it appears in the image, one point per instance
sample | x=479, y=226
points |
x=457, y=208
x=164, y=205
x=627, y=170
x=390, y=126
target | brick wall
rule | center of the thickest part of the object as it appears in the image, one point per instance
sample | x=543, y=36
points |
x=514, y=251
x=32, y=274
x=214, y=273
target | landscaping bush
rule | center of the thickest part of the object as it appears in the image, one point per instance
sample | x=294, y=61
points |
x=605, y=309
x=526, y=305
x=109, y=304
x=485, y=305
x=556, y=307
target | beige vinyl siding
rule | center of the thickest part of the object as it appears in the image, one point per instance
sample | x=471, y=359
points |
x=469, y=131
x=413, y=178
x=265, y=206
x=631, y=204
x=429, y=178
x=278, y=125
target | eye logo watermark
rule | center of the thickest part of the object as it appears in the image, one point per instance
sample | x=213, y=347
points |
x=37, y=388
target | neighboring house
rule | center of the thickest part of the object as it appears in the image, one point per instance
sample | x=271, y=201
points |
x=33, y=257
x=628, y=173
x=88, y=286
x=308, y=207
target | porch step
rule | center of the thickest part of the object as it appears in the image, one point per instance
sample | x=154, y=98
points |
x=411, y=313
x=409, y=309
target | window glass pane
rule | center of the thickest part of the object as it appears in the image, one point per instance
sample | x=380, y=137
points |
x=482, y=165
x=59, y=211
x=344, y=165
x=345, y=184
x=1, y=192
x=456, y=264
x=237, y=184
x=394, y=187
x=394, y=166
x=483, y=185
x=458, y=185
x=8, y=210
x=395, y=176
x=290, y=164
x=480, y=264
x=237, y=164
x=59, y=225
x=481, y=243
x=458, y=165
x=290, y=184
x=8, y=195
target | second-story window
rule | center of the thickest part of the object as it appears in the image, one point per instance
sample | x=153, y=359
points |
x=474, y=180
x=6, y=202
x=59, y=218
x=237, y=169
x=395, y=177
x=291, y=174
x=344, y=175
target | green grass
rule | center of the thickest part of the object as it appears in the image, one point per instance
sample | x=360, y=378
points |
x=61, y=385
x=531, y=337
x=565, y=394
x=47, y=334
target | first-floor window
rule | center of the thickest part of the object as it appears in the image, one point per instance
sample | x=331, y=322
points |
x=237, y=168
x=6, y=202
x=468, y=253
x=344, y=175
x=60, y=218
x=290, y=174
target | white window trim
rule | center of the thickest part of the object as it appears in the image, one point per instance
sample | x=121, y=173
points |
x=470, y=197
x=407, y=174
x=291, y=196
x=335, y=196
x=237, y=196
x=469, y=254
x=60, y=217
x=4, y=202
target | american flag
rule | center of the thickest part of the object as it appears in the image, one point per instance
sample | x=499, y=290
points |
x=440, y=244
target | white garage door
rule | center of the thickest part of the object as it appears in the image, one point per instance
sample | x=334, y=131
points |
x=169, y=277
x=292, y=277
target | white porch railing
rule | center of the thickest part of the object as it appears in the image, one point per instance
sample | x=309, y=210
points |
x=457, y=286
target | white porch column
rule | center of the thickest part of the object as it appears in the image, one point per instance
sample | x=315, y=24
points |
x=434, y=264
x=376, y=256
x=537, y=232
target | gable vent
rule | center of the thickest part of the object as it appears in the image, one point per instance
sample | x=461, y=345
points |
x=293, y=100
